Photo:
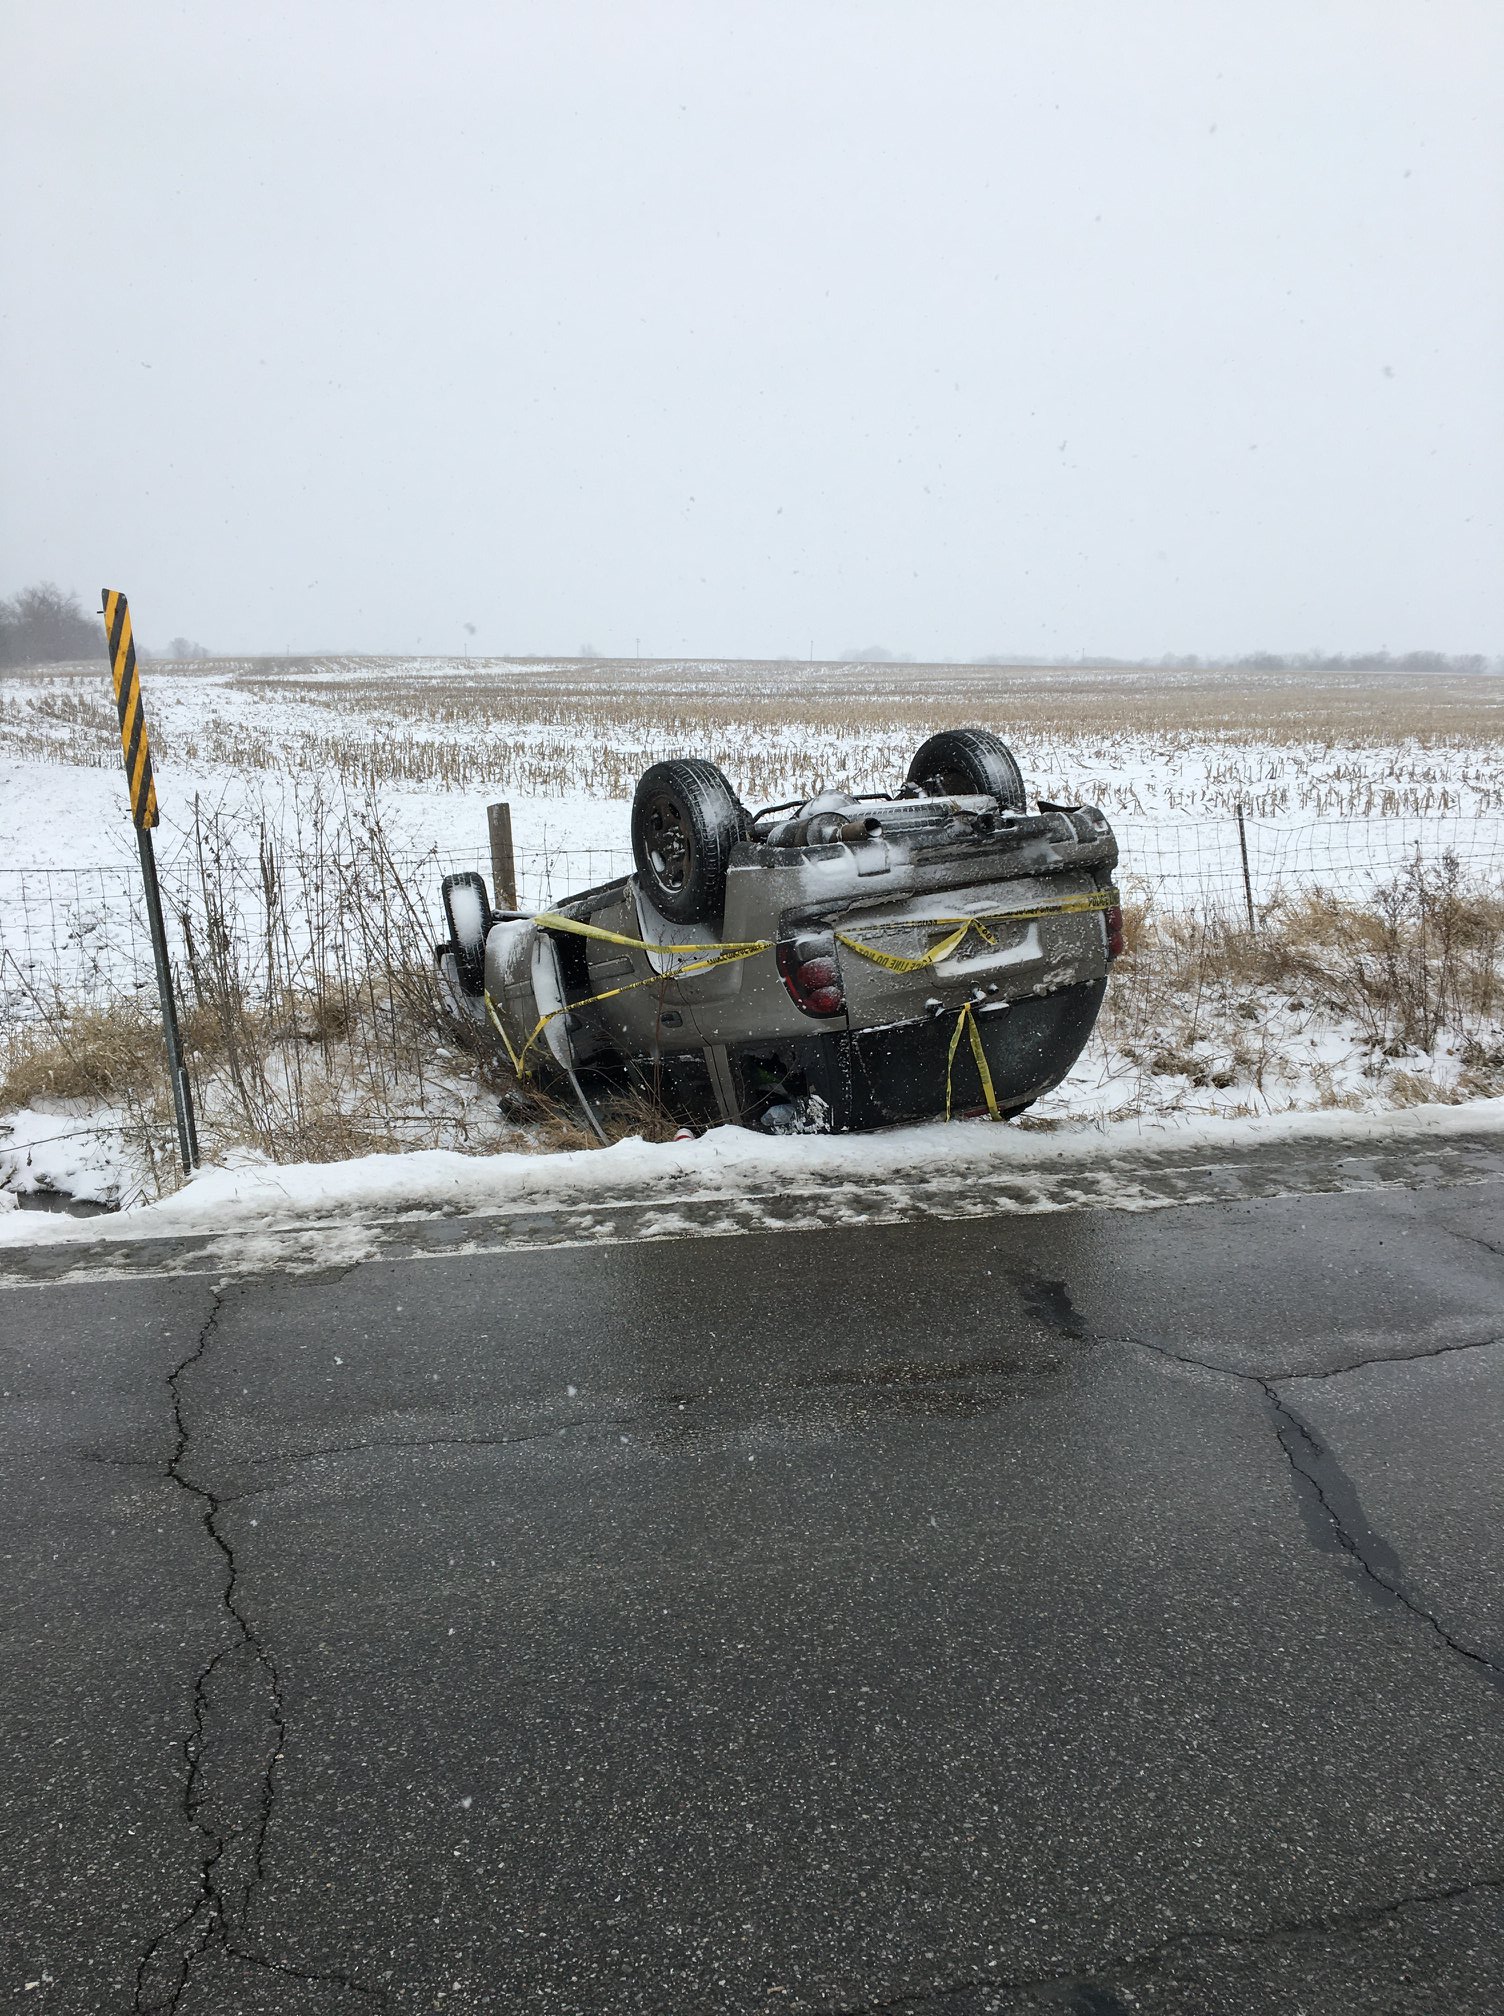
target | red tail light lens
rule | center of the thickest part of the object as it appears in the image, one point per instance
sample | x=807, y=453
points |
x=1114, y=922
x=817, y=973
x=812, y=974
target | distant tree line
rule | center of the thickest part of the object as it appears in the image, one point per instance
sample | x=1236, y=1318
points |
x=1270, y=661
x=878, y=654
x=43, y=626
x=1338, y=661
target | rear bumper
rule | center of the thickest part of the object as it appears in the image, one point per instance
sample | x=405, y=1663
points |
x=880, y=1077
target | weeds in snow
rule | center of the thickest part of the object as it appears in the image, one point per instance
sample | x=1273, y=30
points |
x=1328, y=1003
x=314, y=1019
x=317, y=1027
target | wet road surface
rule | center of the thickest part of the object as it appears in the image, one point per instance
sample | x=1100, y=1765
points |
x=1084, y=1611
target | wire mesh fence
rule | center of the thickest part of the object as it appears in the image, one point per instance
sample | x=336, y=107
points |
x=1197, y=864
x=78, y=936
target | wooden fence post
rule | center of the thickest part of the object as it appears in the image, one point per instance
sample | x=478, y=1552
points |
x=503, y=861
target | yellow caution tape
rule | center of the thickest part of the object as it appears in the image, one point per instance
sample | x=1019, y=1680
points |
x=1069, y=906
x=942, y=949
x=496, y=1024
x=726, y=956
x=967, y=1020
x=723, y=953
x=551, y=920
x=897, y=964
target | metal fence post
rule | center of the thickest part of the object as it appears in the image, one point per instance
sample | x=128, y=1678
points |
x=177, y=1068
x=503, y=860
x=1247, y=878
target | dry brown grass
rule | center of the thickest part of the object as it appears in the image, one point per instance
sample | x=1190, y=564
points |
x=314, y=1021
x=1201, y=997
x=93, y=1055
x=281, y=1090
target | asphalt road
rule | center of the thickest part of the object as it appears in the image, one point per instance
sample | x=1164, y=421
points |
x=1087, y=1612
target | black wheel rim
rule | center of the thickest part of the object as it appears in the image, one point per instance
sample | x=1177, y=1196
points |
x=667, y=842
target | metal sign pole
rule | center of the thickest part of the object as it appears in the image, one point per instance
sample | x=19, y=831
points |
x=138, y=776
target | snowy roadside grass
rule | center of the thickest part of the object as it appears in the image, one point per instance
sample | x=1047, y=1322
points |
x=734, y=1164
x=1328, y=1005
x=303, y=916
x=314, y=1020
x=1365, y=1007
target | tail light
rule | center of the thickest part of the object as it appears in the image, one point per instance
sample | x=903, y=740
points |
x=1113, y=919
x=812, y=974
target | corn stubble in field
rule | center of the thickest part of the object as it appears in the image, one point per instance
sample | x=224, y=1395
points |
x=1316, y=745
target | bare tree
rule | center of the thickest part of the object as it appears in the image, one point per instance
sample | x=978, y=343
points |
x=43, y=626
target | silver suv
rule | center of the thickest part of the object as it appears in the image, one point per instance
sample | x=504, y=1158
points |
x=848, y=962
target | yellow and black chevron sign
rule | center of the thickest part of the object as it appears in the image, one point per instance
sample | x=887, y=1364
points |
x=117, y=624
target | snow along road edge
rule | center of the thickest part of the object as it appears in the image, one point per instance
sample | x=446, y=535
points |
x=730, y=1181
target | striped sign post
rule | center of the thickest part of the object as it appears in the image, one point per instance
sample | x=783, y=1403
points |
x=136, y=749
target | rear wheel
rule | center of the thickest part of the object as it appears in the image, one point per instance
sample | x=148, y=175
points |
x=968, y=762
x=685, y=820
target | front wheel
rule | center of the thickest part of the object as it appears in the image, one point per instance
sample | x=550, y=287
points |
x=685, y=820
x=467, y=910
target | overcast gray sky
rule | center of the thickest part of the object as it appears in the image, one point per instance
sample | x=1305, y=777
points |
x=744, y=328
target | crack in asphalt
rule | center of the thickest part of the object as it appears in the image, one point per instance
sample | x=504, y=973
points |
x=1341, y=1514
x=1338, y=1499
x=1092, y=1994
x=1402, y=1358
x=232, y=1853
x=1337, y=1522
x=293, y=1462
x=1475, y=1238
x=915, y=1377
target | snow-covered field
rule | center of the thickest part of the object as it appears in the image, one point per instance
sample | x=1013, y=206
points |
x=1341, y=778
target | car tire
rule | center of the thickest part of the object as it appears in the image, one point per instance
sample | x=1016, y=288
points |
x=467, y=911
x=685, y=820
x=966, y=762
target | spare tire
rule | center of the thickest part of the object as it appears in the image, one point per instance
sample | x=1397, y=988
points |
x=467, y=909
x=685, y=820
x=968, y=762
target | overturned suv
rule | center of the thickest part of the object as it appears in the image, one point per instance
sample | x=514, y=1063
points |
x=849, y=962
